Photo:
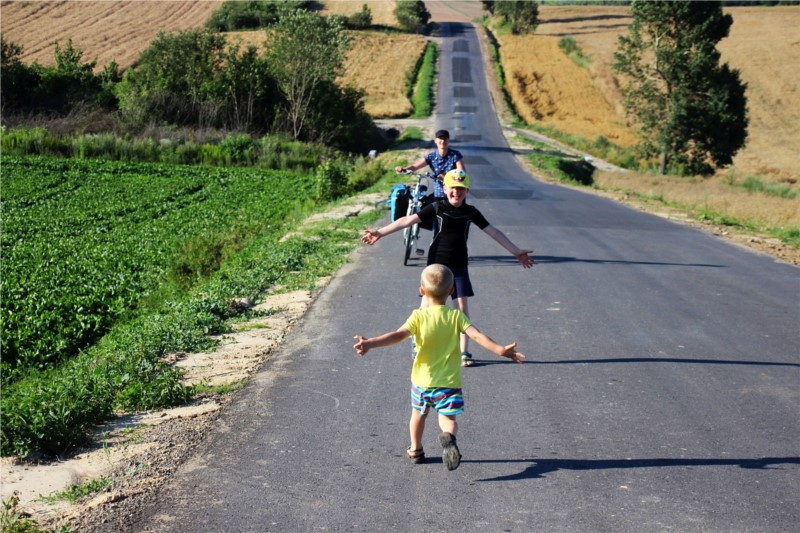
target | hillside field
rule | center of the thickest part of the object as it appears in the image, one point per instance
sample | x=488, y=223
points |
x=763, y=44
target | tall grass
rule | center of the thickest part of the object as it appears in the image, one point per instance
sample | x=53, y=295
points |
x=276, y=152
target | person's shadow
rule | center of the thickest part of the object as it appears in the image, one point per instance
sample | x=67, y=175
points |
x=539, y=468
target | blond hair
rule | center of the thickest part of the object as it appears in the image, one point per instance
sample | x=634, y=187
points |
x=437, y=280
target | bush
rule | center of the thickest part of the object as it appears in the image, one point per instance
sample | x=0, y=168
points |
x=412, y=15
x=331, y=180
x=365, y=173
x=361, y=20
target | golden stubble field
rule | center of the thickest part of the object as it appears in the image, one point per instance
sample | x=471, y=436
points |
x=763, y=44
x=105, y=30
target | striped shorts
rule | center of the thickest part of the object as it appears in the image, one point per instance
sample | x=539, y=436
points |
x=446, y=401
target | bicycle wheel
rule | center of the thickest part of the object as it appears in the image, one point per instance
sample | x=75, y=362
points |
x=413, y=237
x=408, y=238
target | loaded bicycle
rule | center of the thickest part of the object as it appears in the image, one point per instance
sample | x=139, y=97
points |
x=418, y=197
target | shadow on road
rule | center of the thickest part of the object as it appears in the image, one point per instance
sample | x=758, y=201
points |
x=539, y=468
x=614, y=360
x=495, y=260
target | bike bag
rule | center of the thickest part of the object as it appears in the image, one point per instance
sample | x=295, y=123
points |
x=398, y=201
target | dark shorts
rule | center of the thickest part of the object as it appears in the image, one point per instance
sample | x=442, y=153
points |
x=463, y=286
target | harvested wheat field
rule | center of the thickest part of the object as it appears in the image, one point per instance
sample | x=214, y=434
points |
x=763, y=44
x=379, y=64
x=105, y=31
x=548, y=88
x=382, y=11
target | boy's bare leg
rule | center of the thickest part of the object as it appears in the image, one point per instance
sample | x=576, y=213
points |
x=416, y=426
x=461, y=303
x=447, y=423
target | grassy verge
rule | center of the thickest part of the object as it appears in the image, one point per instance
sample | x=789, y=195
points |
x=749, y=192
x=422, y=94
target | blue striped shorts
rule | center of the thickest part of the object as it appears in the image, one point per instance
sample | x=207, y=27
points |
x=446, y=401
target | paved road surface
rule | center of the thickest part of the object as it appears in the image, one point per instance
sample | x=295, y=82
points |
x=662, y=391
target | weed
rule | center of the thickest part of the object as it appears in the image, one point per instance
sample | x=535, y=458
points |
x=13, y=520
x=78, y=490
x=204, y=389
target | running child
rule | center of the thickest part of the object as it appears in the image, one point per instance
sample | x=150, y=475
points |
x=436, y=373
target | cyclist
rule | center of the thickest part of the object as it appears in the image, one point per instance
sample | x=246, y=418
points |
x=440, y=161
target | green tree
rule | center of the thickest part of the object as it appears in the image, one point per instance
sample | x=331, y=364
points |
x=251, y=14
x=691, y=111
x=177, y=80
x=360, y=20
x=304, y=52
x=193, y=78
x=521, y=15
x=17, y=88
x=412, y=15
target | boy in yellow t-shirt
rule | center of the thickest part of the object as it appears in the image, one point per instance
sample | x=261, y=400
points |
x=436, y=374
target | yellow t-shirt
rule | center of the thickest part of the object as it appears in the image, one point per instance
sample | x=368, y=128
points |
x=438, y=360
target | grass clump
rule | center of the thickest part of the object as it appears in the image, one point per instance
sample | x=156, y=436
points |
x=573, y=51
x=76, y=491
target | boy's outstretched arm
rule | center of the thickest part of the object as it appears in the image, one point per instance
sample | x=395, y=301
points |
x=387, y=339
x=509, y=351
x=522, y=255
x=371, y=236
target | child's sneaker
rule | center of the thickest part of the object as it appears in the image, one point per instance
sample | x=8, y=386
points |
x=451, y=457
x=466, y=359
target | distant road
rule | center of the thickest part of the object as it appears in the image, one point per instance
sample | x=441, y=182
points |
x=661, y=393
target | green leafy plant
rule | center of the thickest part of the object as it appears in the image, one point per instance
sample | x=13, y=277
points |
x=76, y=491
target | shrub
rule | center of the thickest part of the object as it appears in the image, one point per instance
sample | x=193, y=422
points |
x=360, y=20
x=331, y=180
x=412, y=15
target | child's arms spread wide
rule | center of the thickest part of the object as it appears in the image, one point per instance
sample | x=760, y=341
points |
x=509, y=351
x=371, y=236
x=387, y=339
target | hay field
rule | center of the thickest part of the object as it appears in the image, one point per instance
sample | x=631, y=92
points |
x=376, y=62
x=382, y=10
x=105, y=30
x=379, y=63
x=548, y=88
x=763, y=44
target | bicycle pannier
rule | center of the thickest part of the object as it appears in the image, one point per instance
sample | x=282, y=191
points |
x=398, y=201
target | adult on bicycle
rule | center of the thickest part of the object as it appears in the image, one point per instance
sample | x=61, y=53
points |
x=440, y=161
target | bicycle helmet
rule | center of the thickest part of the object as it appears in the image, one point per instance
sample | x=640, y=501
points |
x=456, y=178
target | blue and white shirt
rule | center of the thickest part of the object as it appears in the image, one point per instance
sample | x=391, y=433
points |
x=441, y=165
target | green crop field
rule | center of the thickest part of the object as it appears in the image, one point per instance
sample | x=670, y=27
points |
x=84, y=242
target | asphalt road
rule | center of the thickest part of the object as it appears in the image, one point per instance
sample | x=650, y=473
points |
x=661, y=392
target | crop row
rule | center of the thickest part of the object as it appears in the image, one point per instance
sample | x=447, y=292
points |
x=85, y=242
